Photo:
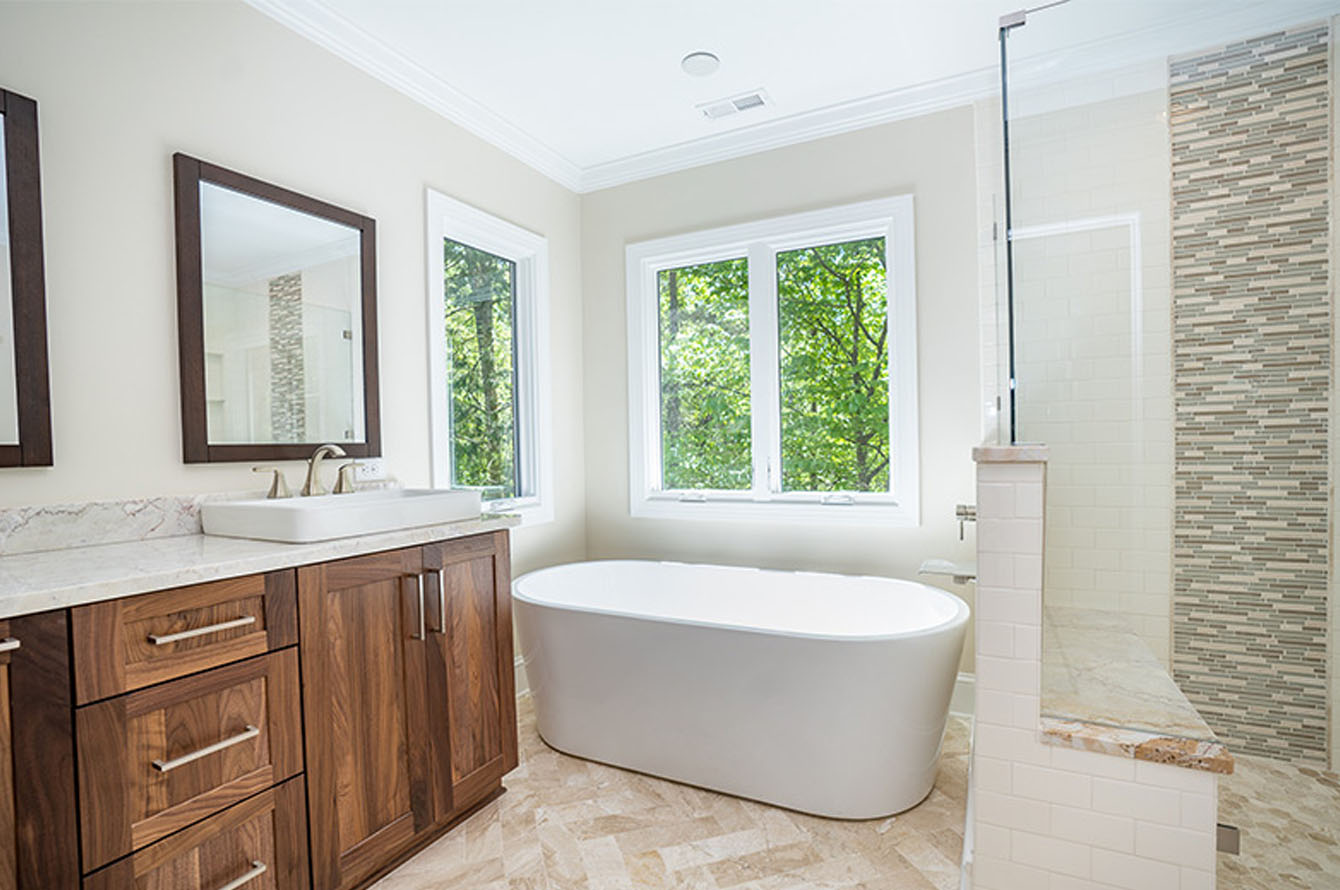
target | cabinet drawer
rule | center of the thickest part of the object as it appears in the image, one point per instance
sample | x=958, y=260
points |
x=157, y=760
x=141, y=640
x=260, y=842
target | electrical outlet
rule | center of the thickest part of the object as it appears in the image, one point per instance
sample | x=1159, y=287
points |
x=370, y=469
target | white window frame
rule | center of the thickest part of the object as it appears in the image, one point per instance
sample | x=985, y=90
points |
x=890, y=218
x=450, y=218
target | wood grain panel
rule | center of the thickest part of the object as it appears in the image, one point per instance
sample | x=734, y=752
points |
x=114, y=654
x=268, y=828
x=469, y=670
x=127, y=804
x=365, y=712
x=9, y=854
x=42, y=733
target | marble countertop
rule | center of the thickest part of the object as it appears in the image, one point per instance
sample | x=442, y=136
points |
x=1104, y=690
x=56, y=579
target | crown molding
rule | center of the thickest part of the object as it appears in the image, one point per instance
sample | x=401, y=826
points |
x=832, y=120
x=328, y=29
x=316, y=22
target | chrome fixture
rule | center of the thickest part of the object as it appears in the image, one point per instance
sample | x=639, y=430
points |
x=164, y=639
x=278, y=484
x=167, y=766
x=960, y=572
x=964, y=513
x=344, y=481
x=312, y=486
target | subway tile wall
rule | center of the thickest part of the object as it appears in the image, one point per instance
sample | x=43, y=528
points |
x=1251, y=168
x=1053, y=817
x=1092, y=302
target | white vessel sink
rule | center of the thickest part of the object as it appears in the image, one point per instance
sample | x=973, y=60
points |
x=301, y=520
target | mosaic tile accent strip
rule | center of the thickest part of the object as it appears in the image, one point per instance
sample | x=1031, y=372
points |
x=1251, y=153
x=288, y=405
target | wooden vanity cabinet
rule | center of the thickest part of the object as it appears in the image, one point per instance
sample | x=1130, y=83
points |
x=38, y=830
x=471, y=688
x=408, y=699
x=363, y=706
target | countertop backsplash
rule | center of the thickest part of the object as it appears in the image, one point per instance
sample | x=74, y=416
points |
x=63, y=526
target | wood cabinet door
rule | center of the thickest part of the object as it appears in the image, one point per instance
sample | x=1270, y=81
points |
x=470, y=680
x=38, y=833
x=365, y=712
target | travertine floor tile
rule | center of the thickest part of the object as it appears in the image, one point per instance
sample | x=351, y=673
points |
x=1290, y=821
x=567, y=824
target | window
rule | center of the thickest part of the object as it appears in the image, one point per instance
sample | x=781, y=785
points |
x=772, y=369
x=488, y=324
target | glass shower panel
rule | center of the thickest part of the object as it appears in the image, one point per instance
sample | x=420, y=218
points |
x=1171, y=184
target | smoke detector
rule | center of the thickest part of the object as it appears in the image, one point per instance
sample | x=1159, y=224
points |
x=719, y=108
x=700, y=64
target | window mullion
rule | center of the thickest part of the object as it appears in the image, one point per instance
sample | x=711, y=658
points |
x=764, y=385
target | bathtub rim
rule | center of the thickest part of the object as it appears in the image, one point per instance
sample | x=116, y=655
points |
x=960, y=617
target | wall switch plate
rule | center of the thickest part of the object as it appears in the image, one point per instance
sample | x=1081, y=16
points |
x=370, y=469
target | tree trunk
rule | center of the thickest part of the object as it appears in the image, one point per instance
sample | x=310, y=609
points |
x=670, y=381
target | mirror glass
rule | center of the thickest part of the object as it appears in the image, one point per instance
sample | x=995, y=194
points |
x=9, y=389
x=283, y=333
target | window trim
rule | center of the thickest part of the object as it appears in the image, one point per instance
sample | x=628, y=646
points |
x=760, y=241
x=447, y=217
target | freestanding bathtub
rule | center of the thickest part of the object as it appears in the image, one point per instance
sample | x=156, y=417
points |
x=826, y=694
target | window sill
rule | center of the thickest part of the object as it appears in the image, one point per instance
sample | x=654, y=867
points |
x=531, y=510
x=809, y=512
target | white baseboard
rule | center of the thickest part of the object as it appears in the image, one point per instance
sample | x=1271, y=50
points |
x=961, y=704
x=522, y=684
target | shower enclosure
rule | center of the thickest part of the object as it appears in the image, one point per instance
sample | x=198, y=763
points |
x=1166, y=310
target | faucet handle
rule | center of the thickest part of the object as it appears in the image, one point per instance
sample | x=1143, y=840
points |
x=278, y=485
x=344, y=482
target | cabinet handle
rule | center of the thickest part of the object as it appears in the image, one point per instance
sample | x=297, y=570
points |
x=258, y=868
x=9, y=644
x=442, y=601
x=164, y=639
x=167, y=766
x=423, y=621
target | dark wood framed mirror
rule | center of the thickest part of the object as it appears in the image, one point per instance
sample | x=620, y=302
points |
x=25, y=389
x=277, y=320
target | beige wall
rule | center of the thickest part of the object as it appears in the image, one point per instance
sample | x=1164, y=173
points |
x=930, y=158
x=120, y=87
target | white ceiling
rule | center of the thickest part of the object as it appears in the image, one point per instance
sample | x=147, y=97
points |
x=590, y=92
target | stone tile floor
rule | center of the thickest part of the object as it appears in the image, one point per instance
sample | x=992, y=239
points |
x=1290, y=821
x=568, y=824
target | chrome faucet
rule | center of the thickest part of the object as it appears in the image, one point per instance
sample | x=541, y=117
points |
x=313, y=484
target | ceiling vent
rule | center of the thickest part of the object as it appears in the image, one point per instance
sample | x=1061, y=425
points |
x=719, y=108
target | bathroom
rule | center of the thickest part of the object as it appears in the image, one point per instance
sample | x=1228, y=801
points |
x=1131, y=677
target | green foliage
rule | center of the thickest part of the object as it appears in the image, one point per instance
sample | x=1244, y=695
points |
x=833, y=332
x=704, y=318
x=479, y=294
x=833, y=325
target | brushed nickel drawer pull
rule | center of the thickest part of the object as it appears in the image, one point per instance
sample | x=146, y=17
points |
x=9, y=644
x=167, y=766
x=442, y=601
x=164, y=639
x=423, y=620
x=258, y=868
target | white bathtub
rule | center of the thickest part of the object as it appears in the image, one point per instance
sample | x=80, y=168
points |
x=826, y=694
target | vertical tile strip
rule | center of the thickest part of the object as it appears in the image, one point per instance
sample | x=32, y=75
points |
x=1251, y=158
x=288, y=406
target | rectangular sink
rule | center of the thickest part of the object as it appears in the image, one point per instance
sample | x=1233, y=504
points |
x=326, y=517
